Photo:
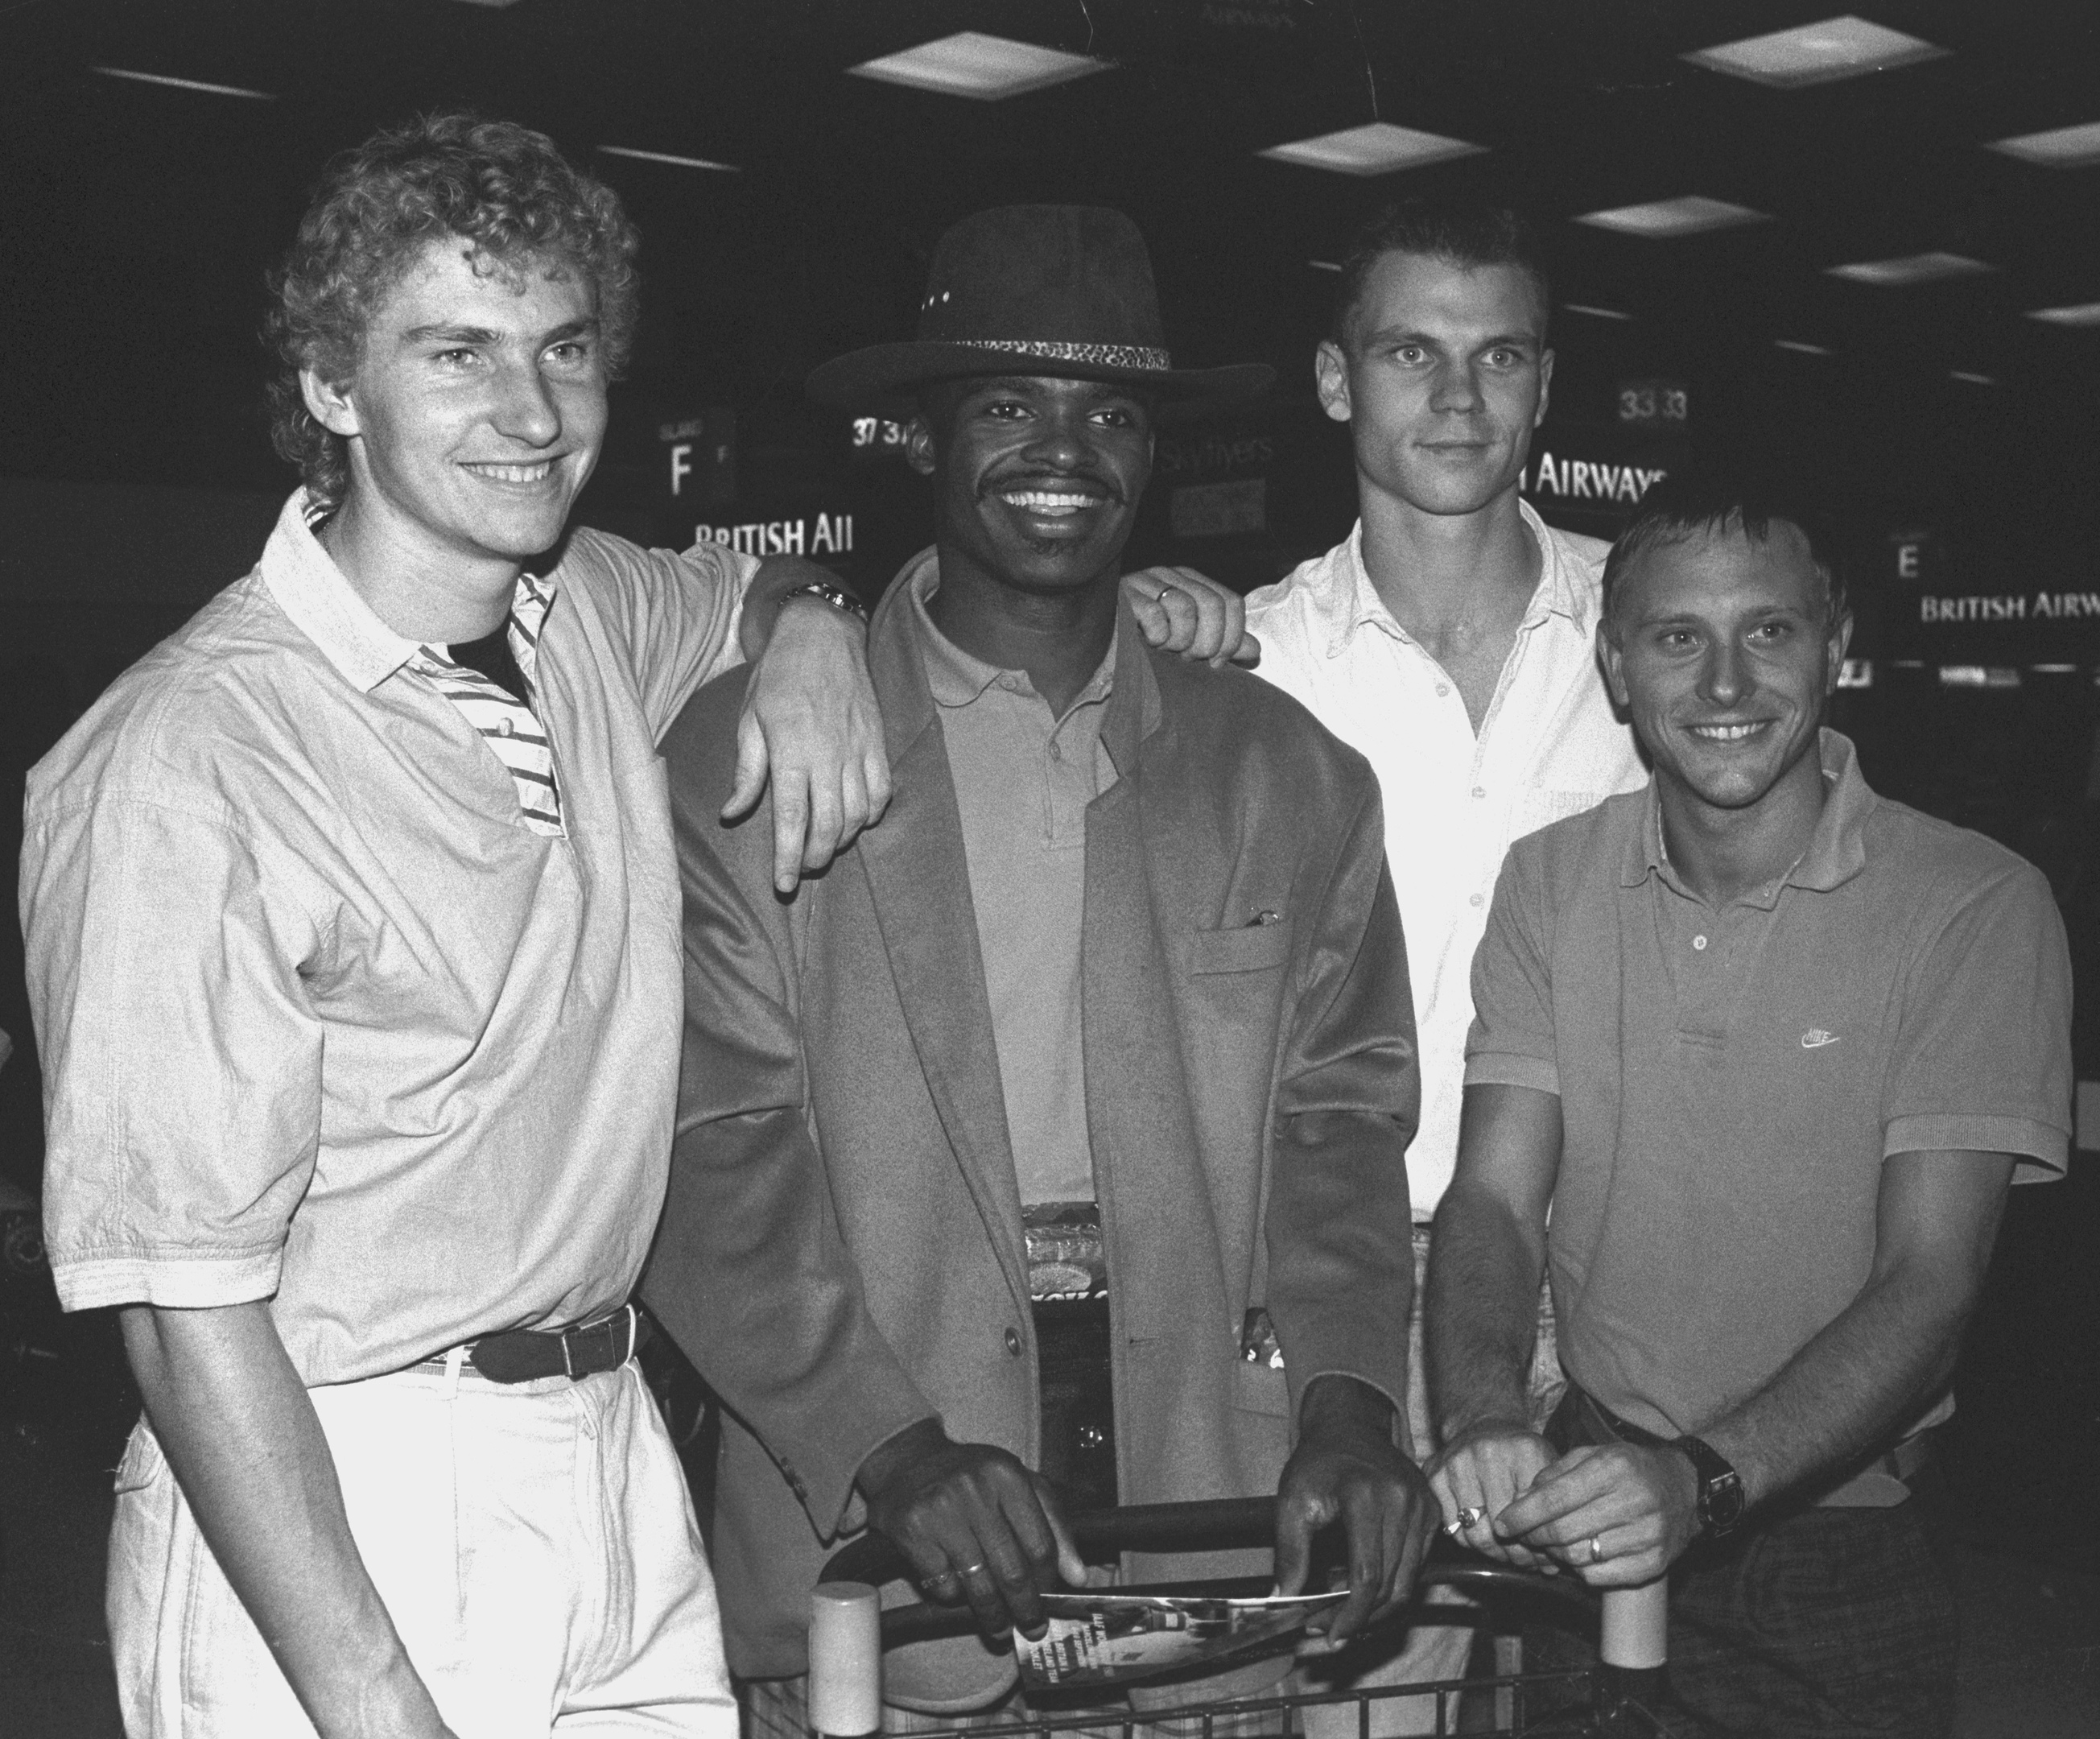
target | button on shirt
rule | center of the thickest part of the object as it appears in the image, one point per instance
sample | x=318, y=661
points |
x=1548, y=747
x=1731, y=1080
x=1023, y=779
x=323, y=1020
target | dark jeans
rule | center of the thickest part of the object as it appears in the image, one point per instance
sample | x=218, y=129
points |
x=1812, y=1624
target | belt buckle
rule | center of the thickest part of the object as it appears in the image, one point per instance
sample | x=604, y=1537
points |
x=568, y=1364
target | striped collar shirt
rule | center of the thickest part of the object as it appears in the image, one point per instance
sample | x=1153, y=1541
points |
x=509, y=726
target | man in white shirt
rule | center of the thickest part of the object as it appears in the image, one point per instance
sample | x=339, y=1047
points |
x=1450, y=638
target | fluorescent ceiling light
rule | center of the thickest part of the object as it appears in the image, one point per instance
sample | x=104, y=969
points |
x=2061, y=148
x=1912, y=268
x=1974, y=379
x=1324, y=265
x=973, y=64
x=184, y=84
x=1378, y=149
x=1805, y=348
x=2081, y=314
x=1816, y=54
x=1602, y=313
x=1692, y=215
x=666, y=156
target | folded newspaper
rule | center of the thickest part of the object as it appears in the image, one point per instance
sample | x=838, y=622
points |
x=1107, y=1638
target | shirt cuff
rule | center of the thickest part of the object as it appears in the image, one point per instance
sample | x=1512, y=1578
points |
x=178, y=1283
x=1507, y=1069
x=2042, y=1150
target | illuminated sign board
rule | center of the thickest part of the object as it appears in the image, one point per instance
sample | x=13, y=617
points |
x=698, y=462
x=1665, y=405
x=1571, y=479
x=814, y=534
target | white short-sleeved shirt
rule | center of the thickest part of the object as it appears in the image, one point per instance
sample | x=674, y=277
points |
x=1549, y=747
x=323, y=1020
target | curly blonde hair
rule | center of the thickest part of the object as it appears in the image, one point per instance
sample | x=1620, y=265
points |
x=503, y=189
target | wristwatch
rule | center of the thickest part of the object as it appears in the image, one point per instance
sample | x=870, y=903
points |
x=836, y=596
x=1720, y=1488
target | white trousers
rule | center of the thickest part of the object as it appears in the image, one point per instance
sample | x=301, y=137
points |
x=534, y=1544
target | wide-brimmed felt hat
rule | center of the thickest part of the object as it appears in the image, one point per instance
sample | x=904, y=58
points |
x=1063, y=290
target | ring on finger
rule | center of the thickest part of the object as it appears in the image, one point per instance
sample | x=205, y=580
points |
x=1472, y=1516
x=1163, y=591
x=969, y=1570
x=1596, y=1550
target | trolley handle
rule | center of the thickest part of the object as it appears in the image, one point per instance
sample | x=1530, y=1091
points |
x=1215, y=1525
x=1224, y=1524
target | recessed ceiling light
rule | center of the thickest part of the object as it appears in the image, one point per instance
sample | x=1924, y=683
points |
x=973, y=64
x=666, y=156
x=2079, y=314
x=1973, y=379
x=184, y=84
x=1690, y=216
x=1912, y=268
x=1378, y=149
x=1602, y=313
x=1804, y=347
x=1816, y=54
x=2061, y=147
x=1324, y=265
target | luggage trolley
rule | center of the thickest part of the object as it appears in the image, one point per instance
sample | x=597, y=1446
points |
x=1620, y=1698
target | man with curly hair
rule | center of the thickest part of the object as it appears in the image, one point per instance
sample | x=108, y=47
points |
x=353, y=934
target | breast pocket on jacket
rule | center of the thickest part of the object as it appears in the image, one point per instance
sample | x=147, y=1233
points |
x=1249, y=947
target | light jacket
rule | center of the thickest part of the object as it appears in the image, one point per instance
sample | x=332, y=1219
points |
x=841, y=1252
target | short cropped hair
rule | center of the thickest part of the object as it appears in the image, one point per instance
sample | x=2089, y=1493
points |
x=1717, y=500
x=503, y=189
x=1467, y=233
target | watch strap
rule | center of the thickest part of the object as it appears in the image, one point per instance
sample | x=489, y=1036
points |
x=1720, y=1503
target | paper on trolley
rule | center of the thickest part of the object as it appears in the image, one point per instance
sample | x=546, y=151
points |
x=1107, y=1638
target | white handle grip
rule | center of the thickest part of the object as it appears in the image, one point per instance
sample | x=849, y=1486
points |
x=1637, y=1625
x=845, y=1659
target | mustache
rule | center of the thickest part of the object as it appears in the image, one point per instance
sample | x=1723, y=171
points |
x=1052, y=480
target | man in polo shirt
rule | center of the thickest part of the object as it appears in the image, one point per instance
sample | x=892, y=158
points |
x=1450, y=639
x=352, y=935
x=1757, y=1053
x=1053, y=1142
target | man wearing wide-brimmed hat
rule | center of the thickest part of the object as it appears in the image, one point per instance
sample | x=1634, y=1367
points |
x=1049, y=1147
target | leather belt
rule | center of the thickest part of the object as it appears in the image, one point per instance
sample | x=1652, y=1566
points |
x=520, y=1355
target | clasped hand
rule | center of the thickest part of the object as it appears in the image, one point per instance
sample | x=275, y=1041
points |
x=1617, y=1515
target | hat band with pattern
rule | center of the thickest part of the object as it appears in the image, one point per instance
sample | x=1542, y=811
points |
x=1093, y=355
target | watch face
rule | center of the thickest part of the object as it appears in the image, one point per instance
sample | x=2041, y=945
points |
x=1721, y=1502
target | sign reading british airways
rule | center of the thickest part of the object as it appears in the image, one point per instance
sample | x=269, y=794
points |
x=817, y=534
x=1570, y=479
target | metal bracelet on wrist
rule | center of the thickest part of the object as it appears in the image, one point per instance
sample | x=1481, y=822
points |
x=836, y=596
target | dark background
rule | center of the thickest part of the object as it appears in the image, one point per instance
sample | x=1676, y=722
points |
x=137, y=222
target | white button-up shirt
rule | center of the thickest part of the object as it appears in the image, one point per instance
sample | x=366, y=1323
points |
x=1549, y=746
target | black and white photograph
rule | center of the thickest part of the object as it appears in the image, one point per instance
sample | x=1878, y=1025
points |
x=835, y=824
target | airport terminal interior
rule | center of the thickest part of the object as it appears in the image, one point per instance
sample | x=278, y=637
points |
x=1859, y=249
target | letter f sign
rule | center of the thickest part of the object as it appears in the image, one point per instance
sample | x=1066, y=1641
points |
x=682, y=464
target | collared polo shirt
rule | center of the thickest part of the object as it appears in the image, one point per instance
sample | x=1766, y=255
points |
x=1549, y=746
x=1731, y=1080
x=322, y=1019
x=1023, y=778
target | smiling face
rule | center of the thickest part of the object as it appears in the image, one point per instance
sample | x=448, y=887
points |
x=1036, y=479
x=1442, y=377
x=1723, y=649
x=476, y=412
